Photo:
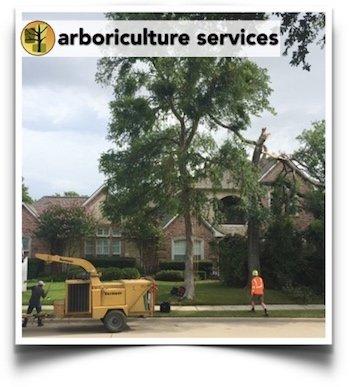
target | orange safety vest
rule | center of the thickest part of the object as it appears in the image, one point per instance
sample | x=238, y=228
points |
x=257, y=286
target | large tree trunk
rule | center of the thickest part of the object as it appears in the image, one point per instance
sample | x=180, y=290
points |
x=253, y=224
x=189, y=274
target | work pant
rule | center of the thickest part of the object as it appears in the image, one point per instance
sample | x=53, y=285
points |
x=30, y=309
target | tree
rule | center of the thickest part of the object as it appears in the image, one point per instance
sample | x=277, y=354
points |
x=311, y=154
x=301, y=31
x=64, y=228
x=37, y=36
x=26, y=198
x=144, y=229
x=161, y=109
x=70, y=194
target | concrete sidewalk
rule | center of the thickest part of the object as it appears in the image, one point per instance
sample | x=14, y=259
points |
x=194, y=308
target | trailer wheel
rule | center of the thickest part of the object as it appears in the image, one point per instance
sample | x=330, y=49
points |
x=115, y=321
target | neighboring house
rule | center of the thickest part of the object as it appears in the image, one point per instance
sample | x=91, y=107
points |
x=109, y=243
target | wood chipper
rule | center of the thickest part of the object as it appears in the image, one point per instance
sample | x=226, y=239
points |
x=110, y=302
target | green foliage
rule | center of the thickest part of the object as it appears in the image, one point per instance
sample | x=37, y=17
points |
x=120, y=262
x=285, y=199
x=282, y=254
x=205, y=266
x=71, y=194
x=63, y=228
x=302, y=30
x=170, y=275
x=159, y=107
x=114, y=273
x=233, y=261
x=244, y=176
x=25, y=194
x=35, y=268
x=312, y=152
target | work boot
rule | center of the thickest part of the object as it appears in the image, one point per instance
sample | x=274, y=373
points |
x=40, y=323
x=266, y=314
x=252, y=310
x=24, y=322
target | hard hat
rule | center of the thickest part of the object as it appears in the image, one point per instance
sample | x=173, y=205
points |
x=41, y=283
x=255, y=273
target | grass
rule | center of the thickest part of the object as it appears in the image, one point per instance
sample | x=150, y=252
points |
x=207, y=293
x=214, y=293
x=243, y=313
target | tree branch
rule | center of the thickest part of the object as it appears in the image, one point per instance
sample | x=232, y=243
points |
x=233, y=129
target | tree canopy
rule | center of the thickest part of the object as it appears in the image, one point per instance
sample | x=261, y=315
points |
x=312, y=151
x=63, y=228
x=26, y=198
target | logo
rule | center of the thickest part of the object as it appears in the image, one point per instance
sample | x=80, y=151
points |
x=38, y=38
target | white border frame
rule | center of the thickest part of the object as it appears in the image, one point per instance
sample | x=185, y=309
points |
x=327, y=340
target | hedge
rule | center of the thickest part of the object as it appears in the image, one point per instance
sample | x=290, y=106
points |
x=120, y=262
x=115, y=273
x=170, y=275
x=206, y=266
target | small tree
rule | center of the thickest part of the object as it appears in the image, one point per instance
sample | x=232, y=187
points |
x=64, y=228
x=26, y=198
x=144, y=230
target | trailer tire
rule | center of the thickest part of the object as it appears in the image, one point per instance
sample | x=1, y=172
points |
x=115, y=321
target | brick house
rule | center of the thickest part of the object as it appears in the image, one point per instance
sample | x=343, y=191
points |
x=109, y=243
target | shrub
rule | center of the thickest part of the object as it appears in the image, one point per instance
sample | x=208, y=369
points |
x=35, y=268
x=76, y=272
x=171, y=265
x=170, y=275
x=114, y=273
x=109, y=273
x=206, y=266
x=282, y=259
x=201, y=275
x=119, y=262
x=233, y=261
x=130, y=273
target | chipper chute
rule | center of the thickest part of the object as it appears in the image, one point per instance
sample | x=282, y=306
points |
x=110, y=302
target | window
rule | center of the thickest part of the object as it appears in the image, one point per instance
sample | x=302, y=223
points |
x=102, y=231
x=102, y=246
x=198, y=252
x=116, y=232
x=89, y=246
x=116, y=247
x=26, y=246
x=179, y=249
x=25, y=243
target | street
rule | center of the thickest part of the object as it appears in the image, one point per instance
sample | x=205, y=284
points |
x=169, y=327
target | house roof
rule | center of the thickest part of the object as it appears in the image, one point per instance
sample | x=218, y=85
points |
x=94, y=195
x=266, y=165
x=216, y=233
x=31, y=209
x=64, y=201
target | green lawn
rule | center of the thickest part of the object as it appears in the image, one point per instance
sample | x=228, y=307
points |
x=207, y=293
x=214, y=293
x=241, y=313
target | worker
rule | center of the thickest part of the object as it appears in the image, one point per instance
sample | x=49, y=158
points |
x=38, y=293
x=257, y=291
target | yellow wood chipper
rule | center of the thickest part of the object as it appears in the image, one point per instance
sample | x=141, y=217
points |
x=110, y=302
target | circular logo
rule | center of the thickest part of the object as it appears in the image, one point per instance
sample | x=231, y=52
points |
x=38, y=38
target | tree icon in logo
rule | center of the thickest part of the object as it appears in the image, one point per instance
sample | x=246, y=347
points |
x=37, y=38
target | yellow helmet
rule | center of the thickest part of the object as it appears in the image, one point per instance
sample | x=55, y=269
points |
x=255, y=273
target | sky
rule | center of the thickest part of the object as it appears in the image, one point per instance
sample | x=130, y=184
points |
x=66, y=114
